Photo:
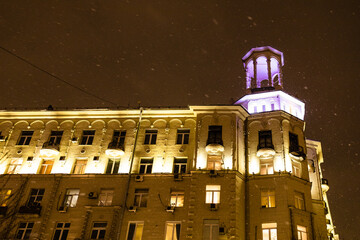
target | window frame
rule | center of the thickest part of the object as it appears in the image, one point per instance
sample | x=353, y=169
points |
x=79, y=168
x=213, y=228
x=87, y=137
x=36, y=196
x=115, y=166
x=214, y=162
x=179, y=165
x=71, y=196
x=268, y=196
x=98, y=229
x=25, y=230
x=179, y=197
x=182, y=136
x=296, y=168
x=137, y=223
x=146, y=164
x=214, y=135
x=212, y=194
x=46, y=166
x=141, y=196
x=14, y=166
x=269, y=166
x=299, y=200
x=25, y=138
x=265, y=139
x=268, y=227
x=150, y=136
x=108, y=194
x=55, y=137
x=175, y=235
x=64, y=229
x=301, y=232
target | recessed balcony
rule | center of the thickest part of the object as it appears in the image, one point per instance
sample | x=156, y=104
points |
x=30, y=209
x=49, y=150
x=324, y=185
x=115, y=149
x=297, y=152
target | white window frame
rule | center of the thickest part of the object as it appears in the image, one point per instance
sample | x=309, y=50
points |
x=302, y=232
x=105, y=197
x=296, y=168
x=79, y=168
x=62, y=229
x=177, y=198
x=25, y=230
x=173, y=225
x=268, y=165
x=137, y=224
x=46, y=163
x=269, y=229
x=113, y=163
x=14, y=166
x=141, y=193
x=212, y=194
x=299, y=200
x=71, y=197
x=213, y=226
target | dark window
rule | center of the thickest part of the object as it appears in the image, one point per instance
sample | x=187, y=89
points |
x=265, y=139
x=24, y=230
x=150, y=136
x=146, y=166
x=55, y=137
x=294, y=142
x=61, y=231
x=215, y=135
x=183, y=136
x=25, y=137
x=113, y=166
x=87, y=137
x=98, y=230
x=36, y=196
x=141, y=197
x=180, y=165
x=119, y=137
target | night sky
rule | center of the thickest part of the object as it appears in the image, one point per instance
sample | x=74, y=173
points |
x=179, y=53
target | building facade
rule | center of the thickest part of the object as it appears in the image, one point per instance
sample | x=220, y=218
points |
x=244, y=171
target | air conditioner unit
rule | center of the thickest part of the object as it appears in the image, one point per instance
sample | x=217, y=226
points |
x=221, y=230
x=3, y=138
x=75, y=140
x=178, y=177
x=63, y=209
x=170, y=209
x=139, y=178
x=212, y=173
x=213, y=206
x=132, y=209
x=92, y=195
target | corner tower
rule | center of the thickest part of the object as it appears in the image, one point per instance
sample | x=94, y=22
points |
x=264, y=84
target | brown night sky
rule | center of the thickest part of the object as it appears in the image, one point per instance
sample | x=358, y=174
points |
x=179, y=53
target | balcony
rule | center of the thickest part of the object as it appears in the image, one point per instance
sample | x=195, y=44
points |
x=115, y=149
x=265, y=151
x=33, y=208
x=324, y=185
x=214, y=146
x=3, y=210
x=49, y=150
x=297, y=152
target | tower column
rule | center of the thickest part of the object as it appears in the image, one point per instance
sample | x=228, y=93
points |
x=269, y=71
x=255, y=74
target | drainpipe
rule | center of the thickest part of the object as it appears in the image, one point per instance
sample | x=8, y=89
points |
x=129, y=174
x=247, y=228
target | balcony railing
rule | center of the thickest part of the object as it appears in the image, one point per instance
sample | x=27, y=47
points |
x=32, y=208
x=51, y=145
x=116, y=146
x=265, y=145
x=297, y=151
x=115, y=149
x=325, y=185
x=218, y=141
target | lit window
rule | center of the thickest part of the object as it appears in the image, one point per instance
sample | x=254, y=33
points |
x=302, y=233
x=213, y=194
x=150, y=136
x=266, y=166
x=141, y=197
x=296, y=168
x=265, y=139
x=106, y=197
x=272, y=107
x=87, y=137
x=135, y=231
x=79, y=167
x=177, y=199
x=146, y=166
x=98, y=230
x=180, y=165
x=46, y=167
x=183, y=136
x=4, y=197
x=269, y=231
x=36, y=196
x=25, y=138
x=112, y=166
x=61, y=231
x=55, y=137
x=267, y=198
x=71, y=197
x=211, y=230
x=299, y=201
x=214, y=162
x=172, y=230
x=215, y=135
x=14, y=166
x=24, y=230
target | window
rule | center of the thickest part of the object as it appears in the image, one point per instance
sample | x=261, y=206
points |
x=299, y=201
x=211, y=230
x=79, y=167
x=46, y=167
x=272, y=107
x=5, y=194
x=135, y=230
x=141, y=197
x=214, y=162
x=296, y=168
x=24, y=230
x=71, y=197
x=213, y=194
x=172, y=231
x=87, y=137
x=61, y=231
x=112, y=166
x=119, y=137
x=177, y=199
x=14, y=166
x=267, y=198
x=36, y=196
x=265, y=140
x=98, y=230
x=146, y=166
x=215, y=135
x=182, y=136
x=150, y=136
x=269, y=231
x=55, y=137
x=25, y=138
x=293, y=142
x=266, y=166
x=180, y=165
x=106, y=197
x=302, y=233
